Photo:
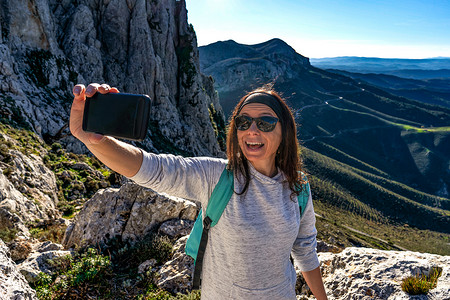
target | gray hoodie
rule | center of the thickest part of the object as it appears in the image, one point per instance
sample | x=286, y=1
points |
x=247, y=256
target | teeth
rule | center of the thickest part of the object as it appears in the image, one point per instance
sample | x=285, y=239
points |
x=254, y=144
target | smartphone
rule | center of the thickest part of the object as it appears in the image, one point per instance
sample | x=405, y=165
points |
x=119, y=115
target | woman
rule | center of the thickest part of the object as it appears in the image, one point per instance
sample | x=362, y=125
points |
x=247, y=256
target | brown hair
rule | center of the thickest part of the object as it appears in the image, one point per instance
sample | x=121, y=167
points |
x=288, y=155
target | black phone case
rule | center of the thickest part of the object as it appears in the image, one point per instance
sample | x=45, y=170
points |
x=119, y=115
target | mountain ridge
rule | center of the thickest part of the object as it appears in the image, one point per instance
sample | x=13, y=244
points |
x=428, y=68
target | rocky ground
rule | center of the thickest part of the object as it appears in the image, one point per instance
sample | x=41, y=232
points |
x=130, y=212
x=365, y=273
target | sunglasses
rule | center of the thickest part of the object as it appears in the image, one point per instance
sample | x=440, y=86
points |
x=264, y=123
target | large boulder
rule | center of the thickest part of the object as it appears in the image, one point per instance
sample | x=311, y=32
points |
x=128, y=213
x=364, y=273
x=13, y=284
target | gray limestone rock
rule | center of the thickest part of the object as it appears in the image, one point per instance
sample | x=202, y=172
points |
x=176, y=274
x=31, y=175
x=147, y=266
x=39, y=262
x=12, y=283
x=12, y=201
x=128, y=213
x=176, y=228
x=325, y=247
x=28, y=191
x=364, y=273
x=47, y=246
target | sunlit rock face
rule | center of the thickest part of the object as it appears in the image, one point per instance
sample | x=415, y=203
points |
x=364, y=273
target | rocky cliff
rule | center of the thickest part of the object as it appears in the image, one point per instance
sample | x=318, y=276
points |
x=138, y=46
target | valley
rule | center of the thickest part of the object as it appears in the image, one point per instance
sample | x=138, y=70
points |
x=378, y=162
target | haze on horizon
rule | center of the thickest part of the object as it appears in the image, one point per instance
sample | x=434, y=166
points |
x=327, y=28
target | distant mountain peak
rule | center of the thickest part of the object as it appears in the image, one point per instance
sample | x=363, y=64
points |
x=273, y=49
x=274, y=41
x=274, y=45
x=230, y=42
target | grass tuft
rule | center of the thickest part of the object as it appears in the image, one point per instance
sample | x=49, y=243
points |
x=421, y=284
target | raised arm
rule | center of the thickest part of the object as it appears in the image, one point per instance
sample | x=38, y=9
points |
x=121, y=157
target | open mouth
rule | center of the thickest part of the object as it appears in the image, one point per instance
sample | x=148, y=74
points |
x=254, y=146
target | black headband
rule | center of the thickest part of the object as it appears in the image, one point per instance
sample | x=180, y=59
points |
x=267, y=99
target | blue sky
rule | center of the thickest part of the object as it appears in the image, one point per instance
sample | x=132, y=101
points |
x=316, y=28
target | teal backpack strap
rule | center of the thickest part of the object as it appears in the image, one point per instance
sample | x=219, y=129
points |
x=303, y=197
x=198, y=239
x=220, y=196
x=217, y=202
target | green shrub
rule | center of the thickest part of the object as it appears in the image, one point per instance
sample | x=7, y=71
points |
x=154, y=293
x=130, y=257
x=4, y=149
x=43, y=287
x=91, y=184
x=194, y=295
x=162, y=248
x=89, y=268
x=54, y=233
x=56, y=146
x=84, y=276
x=66, y=207
x=421, y=284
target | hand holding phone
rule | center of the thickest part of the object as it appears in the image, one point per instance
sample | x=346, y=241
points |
x=119, y=115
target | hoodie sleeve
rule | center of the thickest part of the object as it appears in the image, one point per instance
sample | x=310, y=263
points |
x=191, y=178
x=304, y=249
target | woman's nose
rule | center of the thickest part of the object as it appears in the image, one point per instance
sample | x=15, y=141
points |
x=253, y=128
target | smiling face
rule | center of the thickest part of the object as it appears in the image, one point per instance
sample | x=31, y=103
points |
x=260, y=148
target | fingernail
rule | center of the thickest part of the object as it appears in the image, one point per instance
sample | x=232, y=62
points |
x=89, y=90
x=77, y=90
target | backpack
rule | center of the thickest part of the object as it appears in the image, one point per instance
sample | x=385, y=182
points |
x=198, y=238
